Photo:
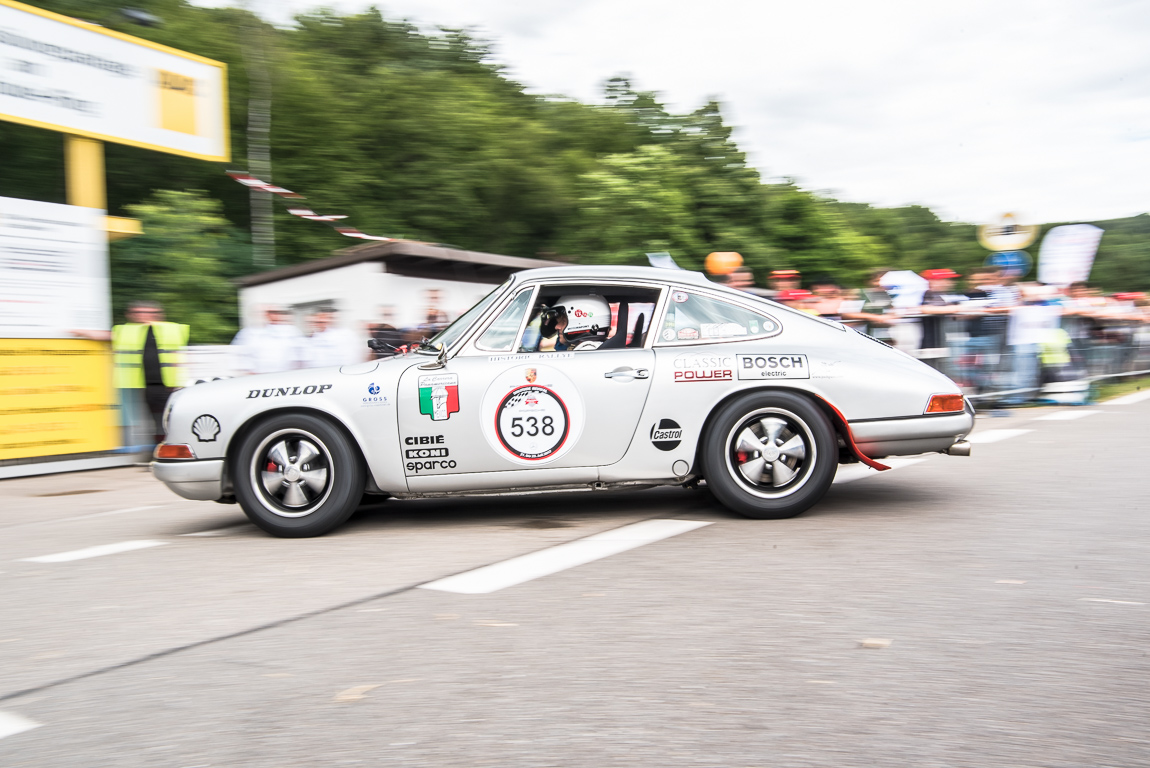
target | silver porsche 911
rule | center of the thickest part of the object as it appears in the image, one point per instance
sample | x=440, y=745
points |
x=569, y=378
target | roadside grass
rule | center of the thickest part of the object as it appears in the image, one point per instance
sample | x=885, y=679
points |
x=1111, y=388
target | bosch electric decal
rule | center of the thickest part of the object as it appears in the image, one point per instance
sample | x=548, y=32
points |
x=759, y=367
x=205, y=428
x=439, y=395
x=532, y=415
x=703, y=367
x=666, y=435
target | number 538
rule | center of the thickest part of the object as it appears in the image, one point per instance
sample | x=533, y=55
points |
x=533, y=426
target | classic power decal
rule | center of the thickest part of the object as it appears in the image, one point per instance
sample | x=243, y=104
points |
x=532, y=415
x=703, y=366
x=773, y=367
x=439, y=395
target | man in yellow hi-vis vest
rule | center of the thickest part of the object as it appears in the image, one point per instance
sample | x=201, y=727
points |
x=147, y=352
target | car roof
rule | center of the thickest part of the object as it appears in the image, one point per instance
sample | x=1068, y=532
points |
x=602, y=272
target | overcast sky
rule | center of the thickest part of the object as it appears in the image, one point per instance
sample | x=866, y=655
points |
x=973, y=108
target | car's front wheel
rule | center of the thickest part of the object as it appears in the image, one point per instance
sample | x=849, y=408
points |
x=298, y=475
x=770, y=455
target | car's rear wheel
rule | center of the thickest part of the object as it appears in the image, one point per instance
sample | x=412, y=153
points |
x=298, y=475
x=770, y=455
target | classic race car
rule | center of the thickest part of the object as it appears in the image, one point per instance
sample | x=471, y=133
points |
x=569, y=378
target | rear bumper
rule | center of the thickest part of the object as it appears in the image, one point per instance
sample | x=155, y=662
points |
x=906, y=437
x=197, y=480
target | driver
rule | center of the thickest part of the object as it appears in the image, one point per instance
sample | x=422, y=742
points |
x=580, y=322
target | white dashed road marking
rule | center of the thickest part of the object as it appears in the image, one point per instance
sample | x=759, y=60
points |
x=11, y=724
x=219, y=531
x=1066, y=415
x=848, y=473
x=545, y=562
x=1104, y=600
x=1130, y=399
x=103, y=549
x=995, y=435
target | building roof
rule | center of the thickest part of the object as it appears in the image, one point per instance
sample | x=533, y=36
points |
x=414, y=259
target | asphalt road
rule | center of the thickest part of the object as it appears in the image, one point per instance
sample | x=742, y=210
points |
x=989, y=611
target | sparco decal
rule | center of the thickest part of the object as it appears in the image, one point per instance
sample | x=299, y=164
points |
x=773, y=367
x=666, y=435
x=531, y=422
x=310, y=389
x=424, y=466
x=702, y=366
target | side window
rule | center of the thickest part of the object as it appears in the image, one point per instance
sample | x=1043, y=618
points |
x=691, y=317
x=501, y=336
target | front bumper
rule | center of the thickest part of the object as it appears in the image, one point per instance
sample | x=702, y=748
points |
x=906, y=437
x=201, y=480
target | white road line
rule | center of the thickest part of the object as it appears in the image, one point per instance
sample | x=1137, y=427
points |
x=545, y=562
x=218, y=531
x=1066, y=415
x=1130, y=399
x=995, y=435
x=85, y=517
x=848, y=473
x=11, y=724
x=103, y=549
x=1104, y=600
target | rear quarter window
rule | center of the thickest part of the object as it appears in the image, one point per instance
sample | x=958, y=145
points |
x=694, y=318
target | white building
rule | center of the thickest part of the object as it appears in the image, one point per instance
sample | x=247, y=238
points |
x=392, y=281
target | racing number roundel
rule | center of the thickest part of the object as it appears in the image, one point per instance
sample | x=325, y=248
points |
x=532, y=422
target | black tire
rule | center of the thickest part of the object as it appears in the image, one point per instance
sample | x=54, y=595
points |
x=298, y=475
x=782, y=438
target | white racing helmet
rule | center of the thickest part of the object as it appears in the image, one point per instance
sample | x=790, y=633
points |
x=585, y=314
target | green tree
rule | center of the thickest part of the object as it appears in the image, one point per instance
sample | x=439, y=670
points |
x=183, y=260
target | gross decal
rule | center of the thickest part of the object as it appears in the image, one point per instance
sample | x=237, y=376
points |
x=205, y=428
x=310, y=389
x=373, y=396
x=704, y=366
x=666, y=435
x=773, y=367
x=529, y=357
x=532, y=423
x=439, y=395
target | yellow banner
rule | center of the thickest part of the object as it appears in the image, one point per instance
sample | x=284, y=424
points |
x=56, y=397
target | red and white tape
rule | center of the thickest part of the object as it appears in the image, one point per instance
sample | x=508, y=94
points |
x=304, y=213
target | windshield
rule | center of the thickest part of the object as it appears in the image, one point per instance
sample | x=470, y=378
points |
x=449, y=335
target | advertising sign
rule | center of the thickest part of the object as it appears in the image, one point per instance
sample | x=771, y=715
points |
x=1067, y=254
x=53, y=270
x=56, y=397
x=68, y=75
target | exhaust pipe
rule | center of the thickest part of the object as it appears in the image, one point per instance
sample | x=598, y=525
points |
x=961, y=448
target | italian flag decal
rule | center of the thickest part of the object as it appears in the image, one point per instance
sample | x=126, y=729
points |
x=439, y=395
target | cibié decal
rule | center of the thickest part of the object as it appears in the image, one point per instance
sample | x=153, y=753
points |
x=439, y=395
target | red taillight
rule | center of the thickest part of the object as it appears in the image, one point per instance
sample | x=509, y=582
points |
x=945, y=404
x=165, y=451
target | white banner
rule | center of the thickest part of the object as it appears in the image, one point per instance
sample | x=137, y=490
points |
x=1067, y=254
x=67, y=75
x=53, y=270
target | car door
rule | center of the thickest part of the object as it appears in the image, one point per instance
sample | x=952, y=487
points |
x=493, y=416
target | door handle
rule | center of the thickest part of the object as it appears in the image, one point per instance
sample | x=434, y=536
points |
x=627, y=373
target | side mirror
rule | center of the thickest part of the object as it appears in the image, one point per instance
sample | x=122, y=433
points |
x=440, y=359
